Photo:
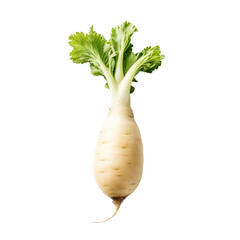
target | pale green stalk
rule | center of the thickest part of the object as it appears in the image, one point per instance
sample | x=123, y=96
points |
x=119, y=69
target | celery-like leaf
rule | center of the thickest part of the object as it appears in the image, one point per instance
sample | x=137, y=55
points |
x=121, y=36
x=120, y=42
x=152, y=59
x=93, y=48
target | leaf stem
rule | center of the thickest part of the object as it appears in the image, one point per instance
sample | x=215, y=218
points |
x=119, y=69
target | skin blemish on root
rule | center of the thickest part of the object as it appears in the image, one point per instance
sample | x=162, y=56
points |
x=124, y=146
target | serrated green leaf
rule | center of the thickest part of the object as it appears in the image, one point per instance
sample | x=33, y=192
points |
x=152, y=59
x=92, y=48
x=121, y=36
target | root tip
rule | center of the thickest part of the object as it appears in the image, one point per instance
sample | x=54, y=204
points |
x=117, y=201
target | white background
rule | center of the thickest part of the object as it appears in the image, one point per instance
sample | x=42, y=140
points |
x=51, y=111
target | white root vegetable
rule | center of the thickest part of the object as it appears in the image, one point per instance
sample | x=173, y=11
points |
x=118, y=160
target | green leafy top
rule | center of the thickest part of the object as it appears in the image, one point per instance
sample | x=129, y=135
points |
x=114, y=59
x=93, y=48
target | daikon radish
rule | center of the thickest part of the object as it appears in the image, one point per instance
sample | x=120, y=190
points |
x=118, y=161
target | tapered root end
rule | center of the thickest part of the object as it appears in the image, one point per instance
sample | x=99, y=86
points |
x=117, y=201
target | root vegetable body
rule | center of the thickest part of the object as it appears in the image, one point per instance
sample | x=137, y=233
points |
x=118, y=160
